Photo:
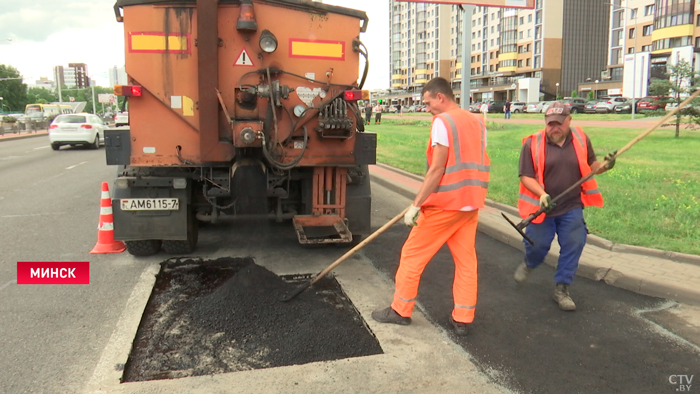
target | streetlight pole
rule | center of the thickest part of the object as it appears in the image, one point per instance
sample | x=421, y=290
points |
x=557, y=97
x=93, y=98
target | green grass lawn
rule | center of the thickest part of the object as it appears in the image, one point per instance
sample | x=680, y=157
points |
x=603, y=117
x=652, y=196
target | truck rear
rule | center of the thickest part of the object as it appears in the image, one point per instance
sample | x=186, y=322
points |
x=240, y=109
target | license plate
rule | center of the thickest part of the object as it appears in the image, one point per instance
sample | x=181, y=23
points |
x=150, y=204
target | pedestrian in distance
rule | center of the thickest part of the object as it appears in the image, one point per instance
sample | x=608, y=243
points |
x=506, y=110
x=446, y=208
x=378, y=114
x=552, y=160
x=484, y=109
x=368, y=112
x=398, y=110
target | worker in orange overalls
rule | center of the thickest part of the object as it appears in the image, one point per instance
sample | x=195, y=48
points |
x=446, y=209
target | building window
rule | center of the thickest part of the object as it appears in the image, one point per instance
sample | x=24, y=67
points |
x=630, y=50
x=647, y=48
x=520, y=35
x=529, y=33
x=633, y=30
x=537, y=47
x=646, y=30
x=633, y=13
x=697, y=42
x=529, y=18
x=527, y=62
x=522, y=20
x=649, y=9
x=537, y=62
x=616, y=56
x=520, y=63
x=697, y=22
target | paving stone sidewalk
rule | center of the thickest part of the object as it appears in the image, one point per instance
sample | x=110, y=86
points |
x=642, y=270
x=23, y=134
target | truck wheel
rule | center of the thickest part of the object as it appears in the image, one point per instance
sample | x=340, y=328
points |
x=187, y=246
x=147, y=247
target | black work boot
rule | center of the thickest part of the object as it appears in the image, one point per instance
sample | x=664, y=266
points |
x=388, y=315
x=561, y=296
x=461, y=329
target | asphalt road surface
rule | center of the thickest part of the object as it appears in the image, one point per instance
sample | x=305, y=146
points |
x=52, y=336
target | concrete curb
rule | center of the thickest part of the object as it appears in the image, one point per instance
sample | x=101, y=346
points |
x=592, y=239
x=42, y=133
x=597, y=265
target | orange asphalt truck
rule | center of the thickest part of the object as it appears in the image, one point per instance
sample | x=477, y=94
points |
x=240, y=110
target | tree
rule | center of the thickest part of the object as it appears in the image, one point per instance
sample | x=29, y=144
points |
x=40, y=96
x=591, y=96
x=679, y=83
x=574, y=94
x=13, y=91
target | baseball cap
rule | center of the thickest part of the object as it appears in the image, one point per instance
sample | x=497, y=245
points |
x=556, y=112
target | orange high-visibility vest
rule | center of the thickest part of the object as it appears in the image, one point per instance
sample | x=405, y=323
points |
x=529, y=203
x=466, y=176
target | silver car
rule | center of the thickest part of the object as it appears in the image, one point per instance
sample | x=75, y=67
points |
x=607, y=105
x=535, y=107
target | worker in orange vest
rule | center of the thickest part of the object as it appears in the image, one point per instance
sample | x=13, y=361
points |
x=551, y=161
x=446, y=208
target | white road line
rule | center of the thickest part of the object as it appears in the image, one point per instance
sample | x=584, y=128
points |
x=72, y=167
x=105, y=376
x=7, y=284
x=42, y=147
x=31, y=214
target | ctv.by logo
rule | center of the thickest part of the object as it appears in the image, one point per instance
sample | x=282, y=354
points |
x=682, y=381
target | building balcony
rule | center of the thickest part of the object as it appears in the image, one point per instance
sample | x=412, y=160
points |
x=672, y=32
x=396, y=76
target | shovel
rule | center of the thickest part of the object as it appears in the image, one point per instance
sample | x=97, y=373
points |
x=525, y=222
x=344, y=257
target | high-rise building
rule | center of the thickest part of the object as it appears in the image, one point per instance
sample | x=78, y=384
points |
x=645, y=37
x=515, y=54
x=117, y=76
x=73, y=76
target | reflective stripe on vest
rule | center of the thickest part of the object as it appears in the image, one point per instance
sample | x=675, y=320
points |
x=528, y=202
x=466, y=168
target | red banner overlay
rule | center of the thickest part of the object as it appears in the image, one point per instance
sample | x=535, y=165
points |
x=53, y=273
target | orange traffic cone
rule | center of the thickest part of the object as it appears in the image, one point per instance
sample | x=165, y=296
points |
x=105, y=233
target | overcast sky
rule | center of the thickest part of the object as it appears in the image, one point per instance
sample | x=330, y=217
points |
x=36, y=35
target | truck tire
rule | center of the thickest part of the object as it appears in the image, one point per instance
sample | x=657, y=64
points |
x=147, y=247
x=187, y=246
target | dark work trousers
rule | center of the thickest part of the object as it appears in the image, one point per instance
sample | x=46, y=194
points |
x=572, y=233
x=378, y=118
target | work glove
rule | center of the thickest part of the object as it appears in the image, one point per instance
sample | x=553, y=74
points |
x=610, y=158
x=411, y=216
x=546, y=202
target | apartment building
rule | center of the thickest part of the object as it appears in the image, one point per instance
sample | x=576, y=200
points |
x=645, y=37
x=515, y=54
x=73, y=76
x=117, y=76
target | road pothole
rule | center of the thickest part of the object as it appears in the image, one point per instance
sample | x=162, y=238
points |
x=224, y=315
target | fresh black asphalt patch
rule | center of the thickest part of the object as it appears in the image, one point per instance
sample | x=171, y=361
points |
x=523, y=341
x=225, y=315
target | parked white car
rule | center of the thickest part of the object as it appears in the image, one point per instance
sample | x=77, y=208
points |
x=535, y=107
x=517, y=106
x=76, y=129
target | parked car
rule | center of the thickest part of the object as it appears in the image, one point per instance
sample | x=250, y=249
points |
x=474, y=108
x=545, y=106
x=76, y=129
x=651, y=103
x=575, y=105
x=535, y=107
x=589, y=108
x=496, y=106
x=121, y=119
x=626, y=107
x=517, y=106
x=607, y=104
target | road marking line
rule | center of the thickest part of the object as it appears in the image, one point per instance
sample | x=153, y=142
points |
x=42, y=147
x=116, y=352
x=7, y=284
x=72, y=167
x=31, y=214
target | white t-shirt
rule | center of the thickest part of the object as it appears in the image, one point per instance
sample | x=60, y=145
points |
x=438, y=133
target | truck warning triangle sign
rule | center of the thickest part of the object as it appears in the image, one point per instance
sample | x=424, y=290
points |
x=244, y=59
